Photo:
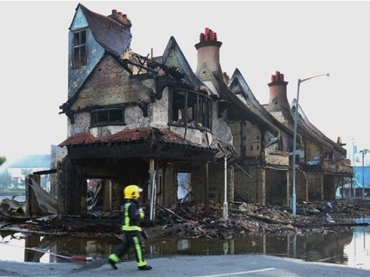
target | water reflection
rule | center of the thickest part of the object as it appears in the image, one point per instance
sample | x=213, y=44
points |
x=358, y=250
x=350, y=248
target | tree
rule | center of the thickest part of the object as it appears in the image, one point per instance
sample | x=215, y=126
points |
x=6, y=179
x=2, y=160
x=25, y=172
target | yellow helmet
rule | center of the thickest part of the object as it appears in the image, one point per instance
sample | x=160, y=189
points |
x=132, y=192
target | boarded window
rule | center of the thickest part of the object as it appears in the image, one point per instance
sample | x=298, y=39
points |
x=79, y=58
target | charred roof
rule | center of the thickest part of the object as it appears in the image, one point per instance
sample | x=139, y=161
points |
x=112, y=35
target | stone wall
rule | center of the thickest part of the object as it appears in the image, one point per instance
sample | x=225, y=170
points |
x=250, y=187
x=276, y=187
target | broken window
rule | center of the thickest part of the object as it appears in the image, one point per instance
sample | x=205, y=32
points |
x=102, y=117
x=191, y=108
x=184, y=186
x=79, y=58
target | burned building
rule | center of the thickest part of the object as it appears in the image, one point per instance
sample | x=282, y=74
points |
x=321, y=163
x=180, y=135
x=260, y=170
x=268, y=159
x=133, y=119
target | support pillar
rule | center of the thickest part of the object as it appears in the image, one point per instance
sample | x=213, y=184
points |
x=288, y=188
x=261, y=186
x=322, y=187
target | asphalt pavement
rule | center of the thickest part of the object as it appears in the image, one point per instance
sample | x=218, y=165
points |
x=189, y=266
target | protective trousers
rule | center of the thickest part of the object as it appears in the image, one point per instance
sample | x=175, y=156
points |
x=131, y=238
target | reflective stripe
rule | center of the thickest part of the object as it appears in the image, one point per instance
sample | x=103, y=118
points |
x=114, y=258
x=131, y=228
x=140, y=261
x=127, y=218
x=126, y=226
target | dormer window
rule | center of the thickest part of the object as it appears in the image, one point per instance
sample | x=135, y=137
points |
x=104, y=117
x=79, y=58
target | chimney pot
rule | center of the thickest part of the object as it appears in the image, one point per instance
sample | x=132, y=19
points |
x=277, y=76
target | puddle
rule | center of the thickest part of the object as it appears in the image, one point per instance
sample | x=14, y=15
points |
x=351, y=248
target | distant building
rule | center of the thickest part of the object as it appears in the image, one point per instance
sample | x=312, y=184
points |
x=28, y=165
x=362, y=177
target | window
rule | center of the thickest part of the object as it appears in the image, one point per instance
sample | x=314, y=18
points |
x=192, y=109
x=79, y=58
x=102, y=117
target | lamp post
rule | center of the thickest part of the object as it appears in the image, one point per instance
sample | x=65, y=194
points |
x=364, y=152
x=225, y=208
x=294, y=197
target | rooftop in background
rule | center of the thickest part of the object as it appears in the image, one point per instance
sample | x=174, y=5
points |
x=29, y=161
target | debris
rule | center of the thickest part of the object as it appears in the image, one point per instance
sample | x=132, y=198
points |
x=47, y=203
x=15, y=211
x=329, y=218
x=12, y=210
x=187, y=220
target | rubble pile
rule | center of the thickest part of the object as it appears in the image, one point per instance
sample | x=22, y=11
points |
x=244, y=218
x=188, y=220
x=11, y=209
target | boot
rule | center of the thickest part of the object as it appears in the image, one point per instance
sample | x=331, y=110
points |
x=144, y=267
x=112, y=264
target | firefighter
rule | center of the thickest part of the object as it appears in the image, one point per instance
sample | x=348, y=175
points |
x=132, y=232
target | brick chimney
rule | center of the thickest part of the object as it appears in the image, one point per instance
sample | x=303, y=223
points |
x=208, y=55
x=278, y=89
x=121, y=18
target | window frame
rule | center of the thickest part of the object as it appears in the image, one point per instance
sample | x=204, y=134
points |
x=79, y=49
x=107, y=116
x=195, y=107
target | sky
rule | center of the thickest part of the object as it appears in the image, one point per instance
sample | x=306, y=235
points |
x=298, y=39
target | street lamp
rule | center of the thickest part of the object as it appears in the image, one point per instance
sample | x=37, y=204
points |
x=364, y=152
x=225, y=208
x=294, y=197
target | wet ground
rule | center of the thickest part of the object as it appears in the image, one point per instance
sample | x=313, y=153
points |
x=350, y=247
x=265, y=230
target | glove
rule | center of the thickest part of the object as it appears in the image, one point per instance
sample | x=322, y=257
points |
x=141, y=213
